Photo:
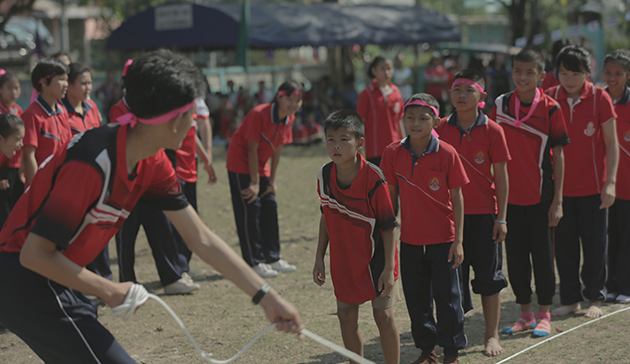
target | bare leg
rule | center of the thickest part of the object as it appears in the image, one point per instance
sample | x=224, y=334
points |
x=491, y=313
x=349, y=322
x=593, y=309
x=567, y=309
x=544, y=308
x=390, y=338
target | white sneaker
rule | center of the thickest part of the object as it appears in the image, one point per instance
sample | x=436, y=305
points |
x=187, y=278
x=611, y=297
x=180, y=286
x=622, y=298
x=264, y=270
x=196, y=276
x=282, y=266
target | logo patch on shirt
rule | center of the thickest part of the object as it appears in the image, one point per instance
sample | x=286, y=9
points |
x=480, y=157
x=626, y=136
x=434, y=184
x=590, y=129
x=397, y=107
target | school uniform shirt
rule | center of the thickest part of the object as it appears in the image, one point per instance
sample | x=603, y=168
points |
x=120, y=108
x=530, y=170
x=90, y=118
x=381, y=114
x=478, y=148
x=81, y=196
x=551, y=80
x=16, y=160
x=585, y=157
x=45, y=129
x=622, y=109
x=355, y=217
x=424, y=183
x=185, y=159
x=263, y=126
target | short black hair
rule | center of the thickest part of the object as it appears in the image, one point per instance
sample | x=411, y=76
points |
x=288, y=87
x=9, y=124
x=375, y=62
x=160, y=82
x=8, y=76
x=426, y=98
x=620, y=56
x=345, y=118
x=574, y=58
x=46, y=69
x=61, y=54
x=473, y=75
x=530, y=55
x=76, y=69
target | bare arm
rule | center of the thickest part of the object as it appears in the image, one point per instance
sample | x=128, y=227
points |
x=205, y=132
x=502, y=190
x=214, y=251
x=609, y=129
x=555, y=210
x=386, y=281
x=319, y=270
x=457, y=250
x=252, y=190
x=30, y=163
x=206, y=159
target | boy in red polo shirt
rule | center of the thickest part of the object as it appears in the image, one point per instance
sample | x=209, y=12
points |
x=358, y=219
x=533, y=126
x=481, y=145
x=589, y=185
x=46, y=125
x=616, y=74
x=82, y=112
x=428, y=175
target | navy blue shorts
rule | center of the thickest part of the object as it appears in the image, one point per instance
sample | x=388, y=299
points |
x=484, y=256
x=58, y=323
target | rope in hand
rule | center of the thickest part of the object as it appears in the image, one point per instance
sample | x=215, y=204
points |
x=138, y=295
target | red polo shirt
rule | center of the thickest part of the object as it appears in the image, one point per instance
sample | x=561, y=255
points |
x=622, y=109
x=45, y=129
x=355, y=217
x=185, y=158
x=530, y=170
x=424, y=183
x=16, y=160
x=479, y=148
x=381, y=115
x=90, y=118
x=551, y=80
x=585, y=157
x=120, y=108
x=261, y=125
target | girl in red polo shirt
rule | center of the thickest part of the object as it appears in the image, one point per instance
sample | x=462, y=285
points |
x=380, y=106
x=82, y=112
x=265, y=129
x=11, y=135
x=616, y=74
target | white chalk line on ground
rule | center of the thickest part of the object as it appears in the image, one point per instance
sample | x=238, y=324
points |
x=562, y=333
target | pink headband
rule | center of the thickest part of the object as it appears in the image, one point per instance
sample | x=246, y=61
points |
x=49, y=76
x=131, y=119
x=473, y=84
x=295, y=92
x=2, y=71
x=127, y=64
x=422, y=103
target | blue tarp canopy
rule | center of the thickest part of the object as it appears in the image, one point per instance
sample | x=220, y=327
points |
x=281, y=25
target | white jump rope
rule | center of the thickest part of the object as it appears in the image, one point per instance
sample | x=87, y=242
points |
x=138, y=295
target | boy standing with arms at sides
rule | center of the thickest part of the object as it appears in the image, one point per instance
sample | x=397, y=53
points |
x=616, y=74
x=358, y=219
x=482, y=148
x=428, y=175
x=533, y=126
x=589, y=188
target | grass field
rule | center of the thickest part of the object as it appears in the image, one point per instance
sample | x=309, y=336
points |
x=222, y=319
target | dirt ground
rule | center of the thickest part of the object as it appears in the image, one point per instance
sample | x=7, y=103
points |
x=222, y=319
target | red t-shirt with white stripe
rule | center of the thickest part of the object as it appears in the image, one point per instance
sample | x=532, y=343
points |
x=424, y=183
x=530, y=170
x=381, y=115
x=355, y=218
x=81, y=196
x=622, y=109
x=585, y=157
x=478, y=150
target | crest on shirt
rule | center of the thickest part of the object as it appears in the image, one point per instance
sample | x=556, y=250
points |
x=590, y=129
x=480, y=157
x=434, y=184
x=626, y=136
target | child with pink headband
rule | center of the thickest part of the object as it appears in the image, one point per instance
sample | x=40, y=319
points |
x=481, y=144
x=428, y=175
x=265, y=129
